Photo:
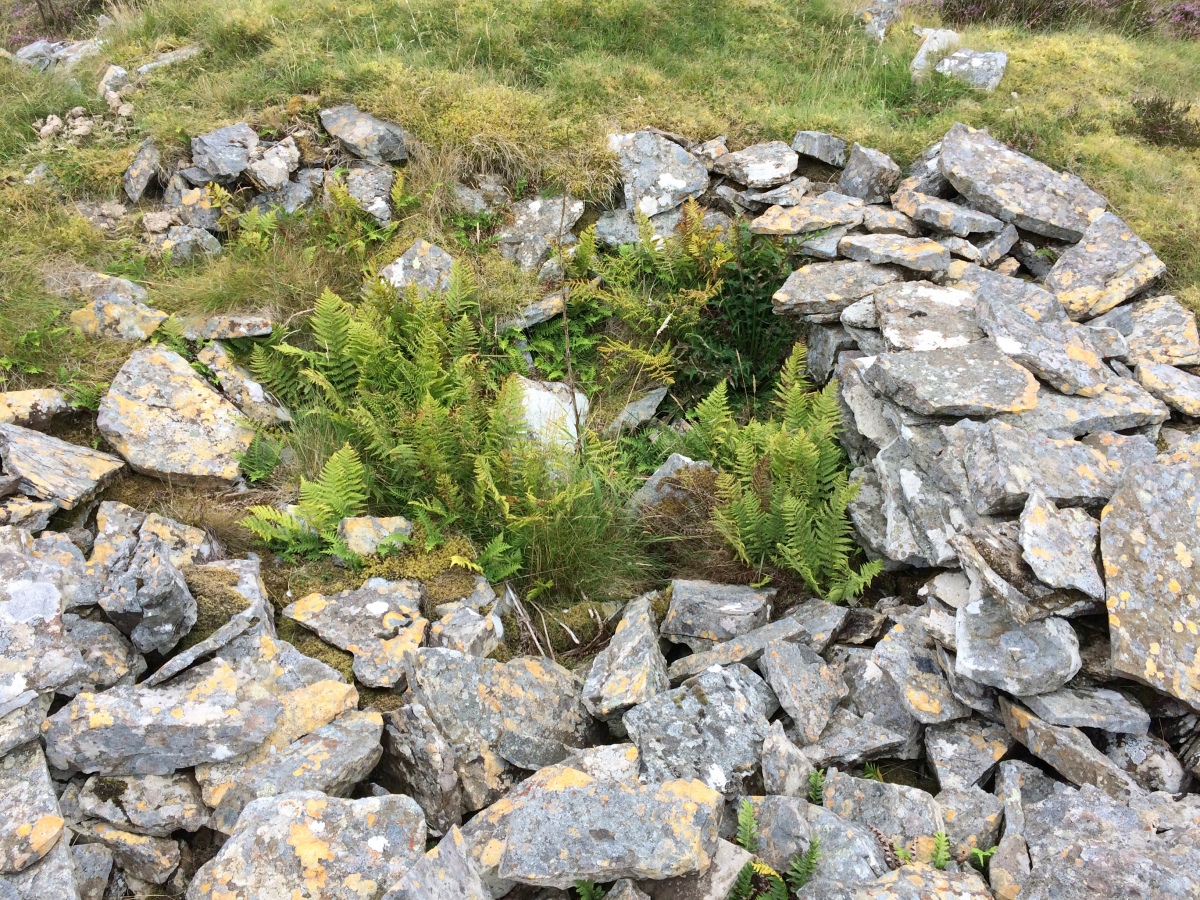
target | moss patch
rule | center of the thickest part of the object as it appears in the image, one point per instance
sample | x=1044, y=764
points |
x=443, y=580
x=216, y=601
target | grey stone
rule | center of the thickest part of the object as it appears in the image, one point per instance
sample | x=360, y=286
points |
x=714, y=883
x=1060, y=545
x=1015, y=188
x=943, y=215
x=636, y=412
x=994, y=250
x=446, y=872
x=917, y=254
x=36, y=654
x=31, y=409
x=702, y=614
x=1178, y=389
x=871, y=175
x=203, y=716
x=467, y=631
x=631, y=669
x=149, y=600
x=877, y=700
x=884, y=220
x=224, y=153
x=169, y=59
x=1031, y=299
x=812, y=213
x=657, y=173
x=849, y=854
x=1148, y=538
x=538, y=225
x=821, y=291
x=270, y=168
x=537, y=311
x=976, y=380
x=783, y=830
x=788, y=194
x=419, y=762
x=156, y=805
x=52, y=876
x=983, y=70
x=820, y=146
x=919, y=881
x=554, y=412
x=1107, y=267
x=115, y=310
x=183, y=243
x=973, y=818
x=850, y=739
x=1158, y=330
x=23, y=723
x=379, y=623
x=898, y=812
x=1123, y=405
x=51, y=469
x=293, y=196
x=960, y=247
x=964, y=753
x=918, y=315
x=935, y=42
x=709, y=729
x=340, y=847
x=369, y=185
x=1149, y=761
x=759, y=166
x=822, y=244
x=785, y=767
x=93, y=865
x=824, y=344
x=364, y=136
x=669, y=485
x=146, y=167
x=906, y=654
x=995, y=650
x=423, y=266
x=32, y=515
x=807, y=687
x=227, y=327
x=110, y=658
x=29, y=805
x=241, y=389
x=745, y=648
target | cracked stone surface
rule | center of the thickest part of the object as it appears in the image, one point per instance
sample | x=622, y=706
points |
x=907, y=655
x=1109, y=265
x=759, y=166
x=657, y=174
x=1060, y=545
x=631, y=669
x=703, y=614
x=424, y=266
x=918, y=315
x=365, y=136
x=1090, y=707
x=822, y=291
x=821, y=146
x=29, y=808
x=965, y=753
x=980, y=69
x=808, y=688
x=223, y=154
x=51, y=469
x=812, y=213
x=870, y=175
x=917, y=254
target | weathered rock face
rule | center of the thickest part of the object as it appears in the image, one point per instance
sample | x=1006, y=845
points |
x=423, y=266
x=983, y=70
x=168, y=422
x=335, y=848
x=1107, y=267
x=820, y=292
x=419, y=761
x=446, y=872
x=807, y=688
x=898, y=812
x=964, y=753
x=365, y=136
x=156, y=805
x=32, y=409
x=29, y=807
x=760, y=166
x=538, y=226
x=820, y=146
x=631, y=669
x=702, y=614
x=657, y=173
x=908, y=656
x=918, y=315
x=224, y=154
x=50, y=469
x=815, y=213
x=553, y=412
x=993, y=649
x=870, y=175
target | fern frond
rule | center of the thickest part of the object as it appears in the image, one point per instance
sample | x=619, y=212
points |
x=804, y=866
x=941, y=850
x=747, y=830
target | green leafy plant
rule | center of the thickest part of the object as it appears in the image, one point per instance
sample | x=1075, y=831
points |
x=816, y=786
x=757, y=880
x=981, y=858
x=589, y=890
x=474, y=229
x=902, y=853
x=747, y=830
x=261, y=458
x=872, y=772
x=941, y=850
x=803, y=867
x=783, y=486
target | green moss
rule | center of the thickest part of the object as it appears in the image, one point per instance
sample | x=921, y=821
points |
x=380, y=699
x=216, y=601
x=443, y=580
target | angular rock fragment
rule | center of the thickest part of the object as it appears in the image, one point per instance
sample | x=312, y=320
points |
x=1176, y=388
x=964, y=753
x=293, y=196
x=898, y=812
x=1158, y=330
x=446, y=872
x=465, y=630
x=657, y=173
x=29, y=809
x=553, y=411
x=115, y=310
x=980, y=69
x=36, y=656
x=110, y=658
x=849, y=739
x=1090, y=707
x=994, y=649
x=714, y=883
x=365, y=136
x=156, y=805
x=379, y=623
x=1015, y=188
x=203, y=716
x=783, y=831
x=759, y=166
x=745, y=648
x=973, y=818
x=31, y=409
x=247, y=394
x=917, y=254
x=631, y=669
x=1123, y=405
x=168, y=422
x=788, y=194
x=807, y=687
x=183, y=243
x=709, y=729
x=1107, y=267
x=52, y=876
x=369, y=185
x=884, y=220
x=821, y=291
x=812, y=213
x=227, y=327
x=702, y=614
x=870, y=175
x=920, y=881
x=23, y=722
x=269, y=169
x=538, y=225
x=363, y=535
x=335, y=848
x=636, y=413
x=146, y=167
x=1148, y=760
x=419, y=762
x=907, y=655
x=423, y=266
x=150, y=859
x=934, y=43
x=93, y=865
x=670, y=485
x=785, y=767
x=223, y=154
x=820, y=146
x=918, y=315
x=51, y=469
x=943, y=215
x=976, y=380
x=1060, y=545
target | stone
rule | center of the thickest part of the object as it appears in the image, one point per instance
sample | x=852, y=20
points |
x=964, y=753
x=270, y=169
x=379, y=623
x=1090, y=707
x=32, y=409
x=363, y=535
x=293, y=196
x=980, y=69
x=538, y=225
x=993, y=252
x=885, y=220
x=223, y=154
x=1158, y=330
x=332, y=759
x=898, y=812
x=702, y=614
x=51, y=469
x=759, y=166
x=553, y=412
x=1123, y=405
x=51, y=876
x=1148, y=537
x=465, y=630
x=918, y=315
x=168, y=422
x=807, y=687
x=423, y=266
x=227, y=327
x=935, y=42
x=821, y=291
x=812, y=213
x=581, y=827
x=113, y=79
x=498, y=717
x=850, y=854
x=788, y=194
x=29, y=805
x=241, y=389
x=169, y=59
x=22, y=722
x=943, y=215
x=994, y=649
x=446, y=872
x=149, y=859
x=907, y=655
x=709, y=729
x=1109, y=265
x=115, y=310
x=156, y=805
x=364, y=136
x=657, y=174
x=714, y=883
x=93, y=865
x=369, y=185
x=917, y=254
x=870, y=175
x=334, y=847
x=1149, y=761
x=631, y=669
x=1015, y=188
x=820, y=146
x=973, y=818
x=419, y=761
x=976, y=380
x=783, y=831
x=960, y=247
x=785, y=767
x=146, y=167
x=36, y=655
x=745, y=648
x=1060, y=545
x=920, y=881
x=670, y=485
x=110, y=659
x=1178, y=389
x=203, y=716
x=636, y=413
x=183, y=243
x=1069, y=752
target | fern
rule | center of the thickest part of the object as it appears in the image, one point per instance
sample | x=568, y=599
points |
x=804, y=866
x=902, y=853
x=260, y=458
x=980, y=859
x=816, y=786
x=747, y=830
x=744, y=884
x=872, y=772
x=589, y=890
x=941, y=850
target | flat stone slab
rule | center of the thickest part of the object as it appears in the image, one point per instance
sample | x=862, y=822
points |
x=1091, y=707
x=885, y=220
x=419, y=761
x=1060, y=545
x=203, y=716
x=871, y=175
x=32, y=409
x=1123, y=405
x=821, y=291
x=917, y=254
x=148, y=859
x=759, y=166
x=379, y=623
x=146, y=167
x=335, y=848
x=944, y=215
x=993, y=649
x=223, y=154
x=908, y=656
x=1148, y=539
x=746, y=648
x=898, y=812
x=115, y=310
x=109, y=657
x=1015, y=188
x=702, y=614
x=980, y=69
x=29, y=807
x=631, y=669
x=365, y=136
x=976, y=380
x=1107, y=267
x=812, y=213
x=1157, y=330
x=227, y=327
x=145, y=804
x=964, y=753
x=446, y=872
x=168, y=422
x=51, y=469
x=657, y=173
x=36, y=654
x=808, y=688
x=1178, y=389
x=424, y=266
x=850, y=739
x=920, y=881
x=51, y=876
x=820, y=145
x=919, y=315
